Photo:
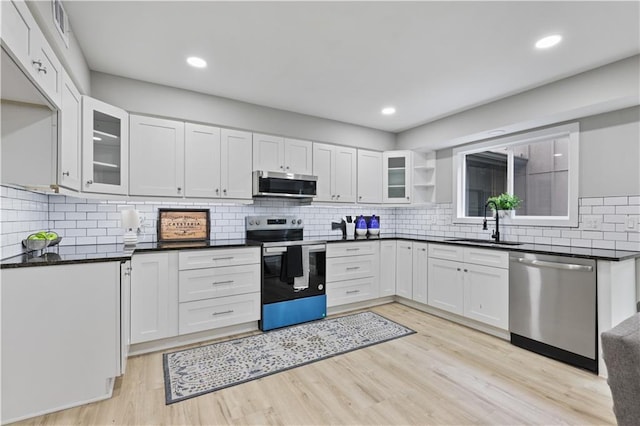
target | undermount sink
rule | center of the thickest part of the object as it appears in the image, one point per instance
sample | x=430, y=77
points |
x=480, y=241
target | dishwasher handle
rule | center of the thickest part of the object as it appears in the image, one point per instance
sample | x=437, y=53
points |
x=555, y=265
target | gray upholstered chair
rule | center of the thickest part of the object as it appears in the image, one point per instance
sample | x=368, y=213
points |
x=621, y=352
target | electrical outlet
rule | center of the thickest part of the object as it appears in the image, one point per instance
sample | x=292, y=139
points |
x=631, y=223
x=592, y=222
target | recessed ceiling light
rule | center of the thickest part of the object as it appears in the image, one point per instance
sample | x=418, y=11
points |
x=194, y=61
x=557, y=155
x=388, y=110
x=549, y=41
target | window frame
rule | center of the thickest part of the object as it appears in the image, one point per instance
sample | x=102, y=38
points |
x=571, y=130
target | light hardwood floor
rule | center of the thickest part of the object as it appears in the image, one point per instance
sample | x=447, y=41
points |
x=443, y=374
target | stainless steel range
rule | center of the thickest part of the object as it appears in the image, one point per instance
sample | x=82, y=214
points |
x=293, y=271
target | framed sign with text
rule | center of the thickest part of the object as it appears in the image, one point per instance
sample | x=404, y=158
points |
x=183, y=225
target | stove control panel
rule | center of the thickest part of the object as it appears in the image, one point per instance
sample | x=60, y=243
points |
x=258, y=223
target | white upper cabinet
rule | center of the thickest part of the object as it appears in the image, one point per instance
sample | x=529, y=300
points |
x=29, y=48
x=202, y=161
x=69, y=143
x=235, y=164
x=335, y=167
x=396, y=178
x=105, y=147
x=298, y=156
x=157, y=157
x=275, y=153
x=369, y=176
x=268, y=153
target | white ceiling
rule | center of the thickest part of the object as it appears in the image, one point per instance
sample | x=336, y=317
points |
x=347, y=60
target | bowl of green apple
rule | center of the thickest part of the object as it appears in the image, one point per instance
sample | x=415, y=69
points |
x=40, y=240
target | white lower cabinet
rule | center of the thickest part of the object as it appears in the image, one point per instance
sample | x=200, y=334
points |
x=469, y=287
x=420, y=268
x=60, y=337
x=387, y=268
x=446, y=285
x=404, y=269
x=351, y=275
x=486, y=295
x=218, y=288
x=154, y=296
x=411, y=270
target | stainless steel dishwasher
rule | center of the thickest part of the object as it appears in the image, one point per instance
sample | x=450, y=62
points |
x=552, y=307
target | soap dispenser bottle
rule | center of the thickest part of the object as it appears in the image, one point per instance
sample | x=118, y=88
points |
x=361, y=226
x=374, y=225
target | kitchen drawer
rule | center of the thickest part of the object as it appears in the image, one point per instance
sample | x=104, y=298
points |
x=351, y=267
x=350, y=291
x=197, y=259
x=446, y=251
x=198, y=284
x=219, y=312
x=353, y=249
x=479, y=256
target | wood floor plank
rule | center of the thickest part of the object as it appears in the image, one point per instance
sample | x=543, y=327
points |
x=445, y=374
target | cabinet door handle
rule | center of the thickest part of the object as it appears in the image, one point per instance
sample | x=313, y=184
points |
x=222, y=313
x=217, y=191
x=423, y=249
x=282, y=167
x=89, y=182
x=407, y=198
x=338, y=196
x=466, y=270
x=224, y=191
x=42, y=69
x=287, y=167
x=353, y=291
x=179, y=189
x=458, y=269
x=65, y=173
x=360, y=197
x=351, y=268
x=222, y=282
x=36, y=62
x=353, y=249
x=222, y=258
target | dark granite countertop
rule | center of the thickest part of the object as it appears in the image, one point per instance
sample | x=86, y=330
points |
x=117, y=252
x=583, y=252
x=58, y=255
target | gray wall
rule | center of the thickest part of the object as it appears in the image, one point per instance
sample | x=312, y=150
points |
x=608, y=88
x=610, y=154
x=609, y=157
x=153, y=99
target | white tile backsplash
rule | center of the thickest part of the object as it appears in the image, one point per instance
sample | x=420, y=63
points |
x=90, y=221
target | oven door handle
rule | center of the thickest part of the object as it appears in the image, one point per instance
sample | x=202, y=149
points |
x=280, y=250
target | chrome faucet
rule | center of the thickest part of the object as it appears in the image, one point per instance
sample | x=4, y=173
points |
x=496, y=232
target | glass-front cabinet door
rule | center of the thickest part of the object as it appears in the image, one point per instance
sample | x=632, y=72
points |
x=397, y=177
x=105, y=147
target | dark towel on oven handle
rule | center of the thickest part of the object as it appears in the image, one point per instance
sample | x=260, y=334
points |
x=291, y=265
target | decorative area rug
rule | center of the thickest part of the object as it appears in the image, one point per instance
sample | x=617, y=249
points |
x=197, y=371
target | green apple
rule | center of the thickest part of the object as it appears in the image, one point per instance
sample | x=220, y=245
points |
x=38, y=236
x=51, y=235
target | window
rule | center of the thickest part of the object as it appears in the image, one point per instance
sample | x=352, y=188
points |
x=540, y=167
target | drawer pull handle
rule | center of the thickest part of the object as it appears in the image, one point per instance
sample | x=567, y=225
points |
x=353, y=291
x=222, y=282
x=353, y=249
x=351, y=268
x=222, y=313
x=223, y=258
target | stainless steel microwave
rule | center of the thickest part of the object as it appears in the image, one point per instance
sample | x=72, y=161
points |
x=279, y=184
